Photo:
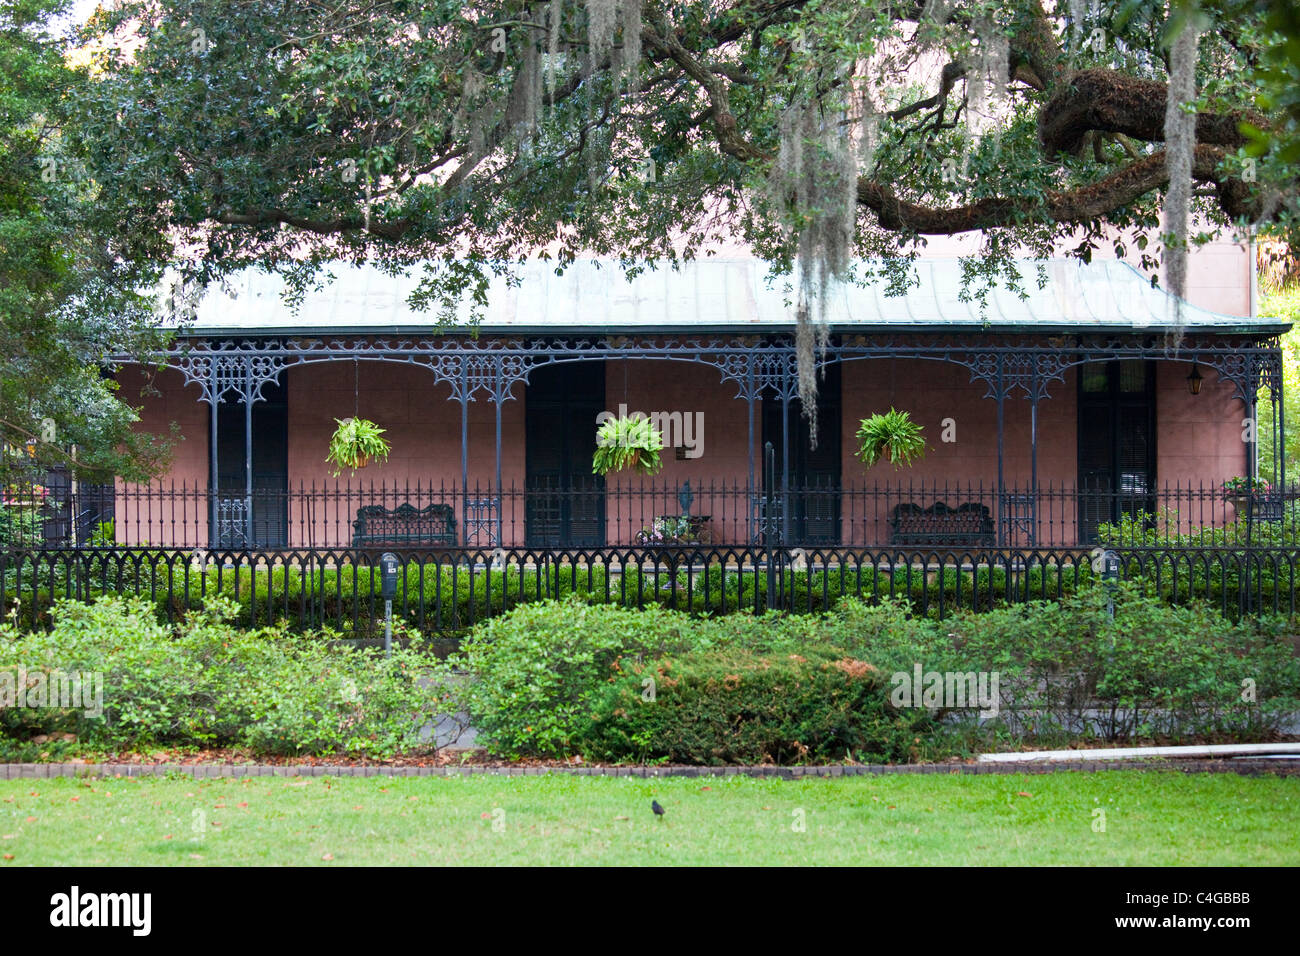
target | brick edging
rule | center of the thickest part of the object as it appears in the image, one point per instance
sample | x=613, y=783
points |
x=45, y=771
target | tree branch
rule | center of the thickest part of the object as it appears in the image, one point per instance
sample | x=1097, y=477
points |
x=725, y=127
x=1076, y=206
x=1107, y=101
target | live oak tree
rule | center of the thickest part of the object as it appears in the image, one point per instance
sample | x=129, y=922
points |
x=66, y=303
x=460, y=139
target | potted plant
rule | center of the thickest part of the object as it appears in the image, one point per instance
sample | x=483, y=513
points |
x=627, y=442
x=355, y=443
x=892, y=435
x=674, y=538
x=1240, y=489
x=670, y=530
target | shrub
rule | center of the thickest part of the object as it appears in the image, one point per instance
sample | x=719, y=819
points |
x=1067, y=669
x=207, y=683
x=558, y=678
x=534, y=669
x=735, y=705
x=21, y=525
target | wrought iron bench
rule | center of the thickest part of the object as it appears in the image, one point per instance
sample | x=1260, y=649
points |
x=1263, y=508
x=967, y=525
x=403, y=527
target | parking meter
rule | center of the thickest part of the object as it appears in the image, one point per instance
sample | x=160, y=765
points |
x=388, y=565
x=1110, y=577
x=388, y=575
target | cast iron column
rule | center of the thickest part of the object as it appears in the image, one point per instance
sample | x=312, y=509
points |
x=1002, y=520
x=248, y=452
x=499, y=397
x=213, y=536
x=749, y=403
x=785, y=452
x=464, y=432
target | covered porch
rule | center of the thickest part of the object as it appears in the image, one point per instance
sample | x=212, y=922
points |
x=1085, y=396
x=1035, y=441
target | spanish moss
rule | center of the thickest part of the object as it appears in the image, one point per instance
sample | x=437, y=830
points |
x=868, y=127
x=1180, y=142
x=1078, y=13
x=554, y=17
x=816, y=166
x=526, y=91
x=987, y=83
x=631, y=58
x=602, y=22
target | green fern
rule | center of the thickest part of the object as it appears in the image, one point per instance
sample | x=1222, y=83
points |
x=893, y=435
x=630, y=442
x=355, y=442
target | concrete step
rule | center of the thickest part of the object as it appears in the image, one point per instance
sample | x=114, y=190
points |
x=1287, y=750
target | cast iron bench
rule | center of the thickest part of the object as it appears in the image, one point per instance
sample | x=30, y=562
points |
x=403, y=527
x=969, y=525
x=1264, y=508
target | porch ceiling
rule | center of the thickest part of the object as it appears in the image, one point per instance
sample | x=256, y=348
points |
x=717, y=295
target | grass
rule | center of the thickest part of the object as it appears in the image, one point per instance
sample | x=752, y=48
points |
x=1151, y=818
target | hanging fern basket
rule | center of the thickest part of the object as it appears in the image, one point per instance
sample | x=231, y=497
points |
x=892, y=436
x=355, y=443
x=628, y=443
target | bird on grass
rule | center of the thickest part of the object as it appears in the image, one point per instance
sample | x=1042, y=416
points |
x=659, y=811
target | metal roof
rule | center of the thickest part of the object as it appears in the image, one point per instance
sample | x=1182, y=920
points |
x=724, y=295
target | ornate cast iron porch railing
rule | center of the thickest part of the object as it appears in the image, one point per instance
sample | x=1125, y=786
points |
x=898, y=515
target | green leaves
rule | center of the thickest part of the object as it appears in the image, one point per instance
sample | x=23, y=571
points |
x=211, y=682
x=633, y=441
x=559, y=678
x=736, y=705
x=354, y=443
x=67, y=300
x=892, y=435
x=534, y=670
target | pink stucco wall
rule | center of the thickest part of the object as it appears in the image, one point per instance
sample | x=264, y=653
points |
x=963, y=469
x=423, y=424
x=143, y=514
x=1200, y=440
x=715, y=476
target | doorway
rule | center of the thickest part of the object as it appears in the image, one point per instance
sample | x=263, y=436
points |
x=564, y=502
x=1117, y=442
x=814, y=493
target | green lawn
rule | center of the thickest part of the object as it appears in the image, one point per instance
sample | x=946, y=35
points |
x=1150, y=818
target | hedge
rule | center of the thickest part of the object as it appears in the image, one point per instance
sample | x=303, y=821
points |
x=563, y=677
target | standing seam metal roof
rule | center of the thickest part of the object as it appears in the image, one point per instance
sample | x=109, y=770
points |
x=716, y=295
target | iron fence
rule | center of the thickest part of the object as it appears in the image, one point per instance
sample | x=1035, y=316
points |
x=622, y=513
x=446, y=591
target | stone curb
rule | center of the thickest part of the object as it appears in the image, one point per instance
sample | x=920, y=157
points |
x=43, y=771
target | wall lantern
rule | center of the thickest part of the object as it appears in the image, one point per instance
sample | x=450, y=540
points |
x=1194, y=380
